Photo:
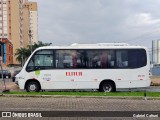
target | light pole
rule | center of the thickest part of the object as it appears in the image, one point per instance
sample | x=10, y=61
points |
x=30, y=36
x=1, y=68
x=1, y=43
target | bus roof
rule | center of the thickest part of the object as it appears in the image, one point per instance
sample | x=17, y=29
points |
x=95, y=46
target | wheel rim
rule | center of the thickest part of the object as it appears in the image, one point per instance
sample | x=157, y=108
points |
x=32, y=87
x=107, y=88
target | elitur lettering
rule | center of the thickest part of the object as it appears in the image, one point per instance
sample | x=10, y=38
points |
x=73, y=73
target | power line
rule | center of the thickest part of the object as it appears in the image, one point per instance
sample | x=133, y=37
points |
x=154, y=50
x=144, y=35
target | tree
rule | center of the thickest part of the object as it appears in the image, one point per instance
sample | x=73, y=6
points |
x=37, y=45
x=23, y=53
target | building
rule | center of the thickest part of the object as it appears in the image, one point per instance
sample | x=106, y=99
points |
x=6, y=46
x=17, y=18
x=156, y=52
x=30, y=23
x=15, y=25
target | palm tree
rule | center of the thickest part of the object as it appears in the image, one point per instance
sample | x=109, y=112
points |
x=23, y=53
x=36, y=45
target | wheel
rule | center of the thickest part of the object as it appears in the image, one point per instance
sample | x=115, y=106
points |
x=107, y=87
x=32, y=87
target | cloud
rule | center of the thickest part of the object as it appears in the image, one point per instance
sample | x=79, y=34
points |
x=92, y=21
x=143, y=19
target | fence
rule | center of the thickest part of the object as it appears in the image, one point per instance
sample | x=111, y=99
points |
x=155, y=70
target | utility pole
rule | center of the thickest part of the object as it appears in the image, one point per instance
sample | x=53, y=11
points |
x=30, y=38
x=1, y=69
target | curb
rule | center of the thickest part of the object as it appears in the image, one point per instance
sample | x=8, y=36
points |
x=155, y=84
x=101, y=97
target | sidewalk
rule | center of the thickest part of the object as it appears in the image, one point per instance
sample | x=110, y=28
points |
x=9, y=85
x=155, y=80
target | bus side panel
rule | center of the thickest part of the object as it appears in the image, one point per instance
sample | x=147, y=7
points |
x=84, y=79
x=140, y=77
x=70, y=79
x=89, y=78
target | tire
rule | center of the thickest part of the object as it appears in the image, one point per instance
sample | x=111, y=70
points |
x=13, y=79
x=107, y=87
x=33, y=87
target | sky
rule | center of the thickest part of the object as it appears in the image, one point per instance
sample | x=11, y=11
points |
x=63, y=22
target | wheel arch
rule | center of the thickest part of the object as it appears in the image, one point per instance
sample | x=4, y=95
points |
x=32, y=80
x=110, y=81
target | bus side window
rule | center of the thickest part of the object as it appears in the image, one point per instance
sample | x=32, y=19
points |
x=41, y=60
x=37, y=60
x=84, y=59
x=137, y=58
x=96, y=61
x=31, y=63
x=110, y=58
x=122, y=58
x=104, y=59
x=67, y=61
x=30, y=66
x=48, y=61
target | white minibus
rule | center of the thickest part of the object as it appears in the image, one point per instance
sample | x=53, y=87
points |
x=102, y=66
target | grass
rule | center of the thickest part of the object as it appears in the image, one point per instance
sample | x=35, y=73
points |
x=139, y=94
